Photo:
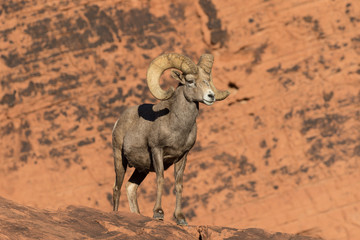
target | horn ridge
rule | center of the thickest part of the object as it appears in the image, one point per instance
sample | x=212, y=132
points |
x=206, y=61
x=162, y=63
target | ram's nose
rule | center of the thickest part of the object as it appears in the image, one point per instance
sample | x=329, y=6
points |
x=211, y=96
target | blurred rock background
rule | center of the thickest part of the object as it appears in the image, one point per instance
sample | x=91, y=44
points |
x=281, y=153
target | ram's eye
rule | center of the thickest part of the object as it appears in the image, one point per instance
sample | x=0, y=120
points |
x=192, y=84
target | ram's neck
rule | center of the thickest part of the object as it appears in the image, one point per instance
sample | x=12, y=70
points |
x=183, y=113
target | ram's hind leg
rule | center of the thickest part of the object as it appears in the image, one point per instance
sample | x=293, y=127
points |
x=131, y=188
x=120, y=165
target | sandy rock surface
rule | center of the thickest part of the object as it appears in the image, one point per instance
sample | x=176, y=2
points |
x=21, y=222
x=281, y=153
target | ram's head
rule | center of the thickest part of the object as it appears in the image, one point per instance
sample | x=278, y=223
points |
x=197, y=79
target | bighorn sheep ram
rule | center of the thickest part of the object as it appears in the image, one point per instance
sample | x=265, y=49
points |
x=152, y=137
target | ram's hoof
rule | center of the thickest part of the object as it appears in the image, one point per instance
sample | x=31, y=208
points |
x=159, y=215
x=181, y=222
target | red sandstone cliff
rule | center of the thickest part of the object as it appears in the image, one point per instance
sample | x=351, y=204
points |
x=281, y=153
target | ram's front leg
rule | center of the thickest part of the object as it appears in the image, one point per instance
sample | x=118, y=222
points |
x=157, y=157
x=178, y=173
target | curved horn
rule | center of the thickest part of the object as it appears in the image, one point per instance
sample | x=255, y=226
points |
x=162, y=63
x=219, y=94
x=206, y=61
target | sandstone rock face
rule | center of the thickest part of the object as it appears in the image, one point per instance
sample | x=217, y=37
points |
x=280, y=153
x=20, y=222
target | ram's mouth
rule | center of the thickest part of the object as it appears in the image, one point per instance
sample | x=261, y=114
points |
x=208, y=102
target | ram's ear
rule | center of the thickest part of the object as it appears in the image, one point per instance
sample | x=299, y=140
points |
x=178, y=76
